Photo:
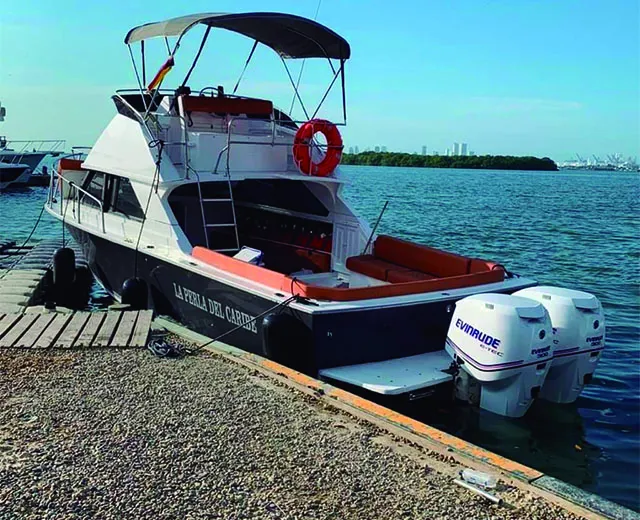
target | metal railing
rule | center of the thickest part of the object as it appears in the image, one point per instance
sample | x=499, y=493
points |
x=156, y=130
x=76, y=196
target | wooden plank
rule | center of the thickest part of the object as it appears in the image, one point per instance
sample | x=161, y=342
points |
x=107, y=329
x=72, y=331
x=141, y=330
x=52, y=332
x=90, y=329
x=37, y=328
x=125, y=329
x=18, y=330
x=7, y=322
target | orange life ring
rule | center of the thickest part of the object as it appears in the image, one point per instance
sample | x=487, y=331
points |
x=302, y=147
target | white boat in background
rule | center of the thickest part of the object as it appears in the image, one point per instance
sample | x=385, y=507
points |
x=30, y=152
x=223, y=212
x=14, y=175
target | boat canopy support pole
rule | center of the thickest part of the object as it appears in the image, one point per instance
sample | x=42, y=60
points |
x=295, y=89
x=335, y=77
x=344, y=93
x=155, y=92
x=144, y=68
x=255, y=44
x=140, y=84
x=195, y=61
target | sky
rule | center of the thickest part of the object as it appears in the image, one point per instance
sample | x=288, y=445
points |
x=513, y=77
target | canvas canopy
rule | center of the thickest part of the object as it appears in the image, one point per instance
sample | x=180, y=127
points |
x=290, y=36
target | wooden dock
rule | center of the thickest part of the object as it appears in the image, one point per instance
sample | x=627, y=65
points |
x=41, y=330
x=22, y=271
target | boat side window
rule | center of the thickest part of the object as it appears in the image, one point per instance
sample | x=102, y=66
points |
x=124, y=200
x=94, y=184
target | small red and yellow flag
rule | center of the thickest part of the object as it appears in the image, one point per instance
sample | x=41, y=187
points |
x=164, y=70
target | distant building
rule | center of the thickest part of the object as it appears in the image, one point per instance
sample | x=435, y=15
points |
x=448, y=152
x=357, y=150
x=435, y=152
x=424, y=150
x=472, y=153
x=383, y=149
x=456, y=148
x=463, y=149
x=376, y=149
x=351, y=149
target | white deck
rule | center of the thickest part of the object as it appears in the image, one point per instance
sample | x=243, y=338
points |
x=395, y=376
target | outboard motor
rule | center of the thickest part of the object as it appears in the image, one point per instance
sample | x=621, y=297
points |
x=505, y=343
x=578, y=336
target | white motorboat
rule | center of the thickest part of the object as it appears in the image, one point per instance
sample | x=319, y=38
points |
x=223, y=212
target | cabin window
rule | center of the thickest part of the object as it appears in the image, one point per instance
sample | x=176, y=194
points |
x=124, y=199
x=95, y=186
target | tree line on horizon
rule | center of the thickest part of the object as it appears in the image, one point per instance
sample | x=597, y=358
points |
x=485, y=162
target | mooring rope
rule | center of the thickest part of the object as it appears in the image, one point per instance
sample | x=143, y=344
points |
x=162, y=348
x=23, y=245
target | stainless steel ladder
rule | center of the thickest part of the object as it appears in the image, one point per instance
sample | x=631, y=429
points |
x=220, y=201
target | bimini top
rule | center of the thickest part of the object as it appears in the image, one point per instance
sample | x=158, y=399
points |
x=290, y=36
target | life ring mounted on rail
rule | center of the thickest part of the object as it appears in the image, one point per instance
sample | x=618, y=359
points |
x=302, y=147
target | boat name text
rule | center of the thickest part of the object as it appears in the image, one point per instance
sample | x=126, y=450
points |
x=217, y=309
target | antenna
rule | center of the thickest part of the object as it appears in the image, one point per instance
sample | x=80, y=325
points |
x=3, y=112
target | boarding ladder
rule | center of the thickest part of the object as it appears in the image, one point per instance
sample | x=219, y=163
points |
x=216, y=202
x=219, y=202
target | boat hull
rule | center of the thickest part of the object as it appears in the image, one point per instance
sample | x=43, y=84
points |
x=212, y=307
x=14, y=175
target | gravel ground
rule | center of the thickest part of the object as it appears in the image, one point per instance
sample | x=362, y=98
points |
x=122, y=434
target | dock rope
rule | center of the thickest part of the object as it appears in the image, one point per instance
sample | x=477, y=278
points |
x=23, y=245
x=162, y=348
x=157, y=143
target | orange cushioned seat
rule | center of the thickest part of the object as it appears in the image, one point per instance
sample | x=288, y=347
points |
x=420, y=258
x=371, y=266
x=400, y=276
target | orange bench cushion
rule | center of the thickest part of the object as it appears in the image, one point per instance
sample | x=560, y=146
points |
x=420, y=258
x=371, y=266
x=399, y=276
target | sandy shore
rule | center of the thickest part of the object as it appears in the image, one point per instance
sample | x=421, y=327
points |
x=122, y=434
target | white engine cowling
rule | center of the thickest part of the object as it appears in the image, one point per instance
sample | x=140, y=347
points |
x=578, y=336
x=505, y=342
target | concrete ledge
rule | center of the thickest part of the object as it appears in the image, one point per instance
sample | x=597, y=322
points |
x=585, y=499
x=565, y=495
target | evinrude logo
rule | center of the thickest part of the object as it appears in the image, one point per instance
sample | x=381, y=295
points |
x=595, y=340
x=490, y=341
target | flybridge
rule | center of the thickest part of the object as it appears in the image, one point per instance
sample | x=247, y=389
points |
x=290, y=36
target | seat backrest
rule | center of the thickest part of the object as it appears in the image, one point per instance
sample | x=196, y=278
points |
x=420, y=258
x=227, y=105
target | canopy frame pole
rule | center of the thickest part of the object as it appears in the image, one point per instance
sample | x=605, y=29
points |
x=140, y=85
x=255, y=44
x=344, y=92
x=195, y=60
x=144, y=71
x=295, y=89
x=335, y=77
x=155, y=92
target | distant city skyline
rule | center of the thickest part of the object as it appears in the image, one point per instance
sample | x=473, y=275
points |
x=479, y=76
x=463, y=148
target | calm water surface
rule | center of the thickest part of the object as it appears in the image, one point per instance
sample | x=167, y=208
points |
x=574, y=229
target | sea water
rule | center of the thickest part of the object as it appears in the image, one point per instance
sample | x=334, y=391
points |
x=574, y=229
